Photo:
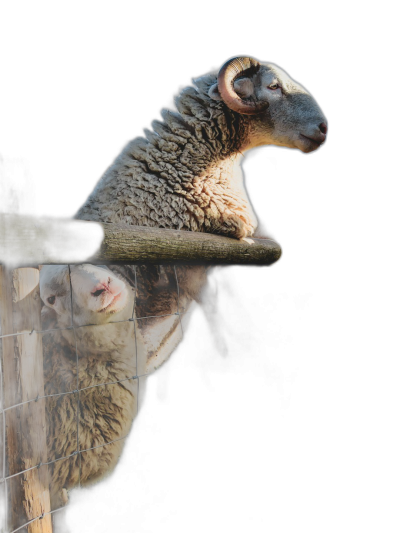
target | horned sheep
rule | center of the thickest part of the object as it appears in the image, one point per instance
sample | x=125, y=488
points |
x=186, y=173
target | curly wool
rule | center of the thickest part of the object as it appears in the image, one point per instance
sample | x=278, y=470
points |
x=106, y=412
x=181, y=175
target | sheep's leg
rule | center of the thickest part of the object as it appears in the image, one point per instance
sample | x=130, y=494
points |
x=202, y=288
x=206, y=298
x=209, y=305
x=223, y=343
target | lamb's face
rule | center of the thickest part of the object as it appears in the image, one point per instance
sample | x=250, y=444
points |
x=98, y=295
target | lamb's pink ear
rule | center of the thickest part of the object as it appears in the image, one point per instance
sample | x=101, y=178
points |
x=49, y=318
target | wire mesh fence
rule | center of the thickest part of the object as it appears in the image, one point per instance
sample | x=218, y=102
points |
x=137, y=326
x=76, y=341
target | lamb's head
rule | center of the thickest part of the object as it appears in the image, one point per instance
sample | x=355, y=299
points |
x=98, y=295
x=278, y=109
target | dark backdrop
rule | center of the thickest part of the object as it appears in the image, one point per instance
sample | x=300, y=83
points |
x=260, y=439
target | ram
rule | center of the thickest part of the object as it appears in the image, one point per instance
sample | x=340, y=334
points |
x=186, y=173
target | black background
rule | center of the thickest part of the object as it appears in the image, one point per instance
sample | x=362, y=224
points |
x=260, y=440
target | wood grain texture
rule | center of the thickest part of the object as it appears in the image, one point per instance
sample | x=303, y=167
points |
x=28, y=492
x=36, y=241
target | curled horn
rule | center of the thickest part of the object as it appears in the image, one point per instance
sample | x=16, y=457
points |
x=229, y=72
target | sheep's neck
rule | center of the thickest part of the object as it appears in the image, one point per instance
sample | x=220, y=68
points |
x=185, y=175
x=101, y=340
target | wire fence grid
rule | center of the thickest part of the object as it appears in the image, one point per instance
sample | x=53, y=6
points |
x=76, y=392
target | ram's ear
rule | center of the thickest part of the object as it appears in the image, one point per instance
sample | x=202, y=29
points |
x=244, y=87
x=213, y=92
x=49, y=318
x=235, y=77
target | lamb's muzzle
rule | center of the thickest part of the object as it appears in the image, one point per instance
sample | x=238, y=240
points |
x=107, y=299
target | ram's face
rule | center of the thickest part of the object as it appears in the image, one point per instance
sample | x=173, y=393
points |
x=83, y=295
x=277, y=109
x=291, y=117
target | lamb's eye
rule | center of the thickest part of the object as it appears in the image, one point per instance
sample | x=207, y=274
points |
x=273, y=86
x=51, y=300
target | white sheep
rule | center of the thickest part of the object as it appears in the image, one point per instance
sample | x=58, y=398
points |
x=84, y=358
x=119, y=334
x=91, y=370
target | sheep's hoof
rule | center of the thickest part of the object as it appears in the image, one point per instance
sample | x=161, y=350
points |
x=64, y=496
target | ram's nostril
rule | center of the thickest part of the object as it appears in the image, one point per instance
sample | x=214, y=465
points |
x=323, y=127
x=97, y=293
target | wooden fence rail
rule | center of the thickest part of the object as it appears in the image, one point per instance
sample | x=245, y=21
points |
x=32, y=241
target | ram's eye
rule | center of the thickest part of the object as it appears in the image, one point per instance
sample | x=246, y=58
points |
x=273, y=86
x=51, y=300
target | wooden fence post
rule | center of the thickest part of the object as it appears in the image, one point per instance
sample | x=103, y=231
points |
x=25, y=438
x=23, y=366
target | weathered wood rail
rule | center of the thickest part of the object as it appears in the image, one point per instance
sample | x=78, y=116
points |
x=28, y=242
x=33, y=241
